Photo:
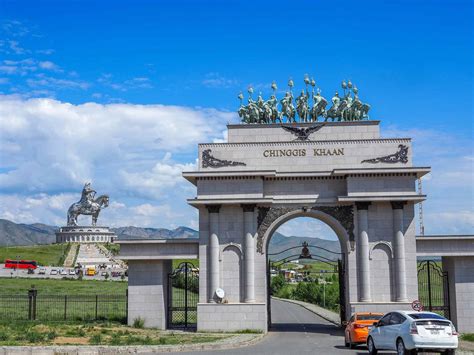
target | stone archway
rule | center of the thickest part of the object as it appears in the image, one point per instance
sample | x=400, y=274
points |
x=338, y=218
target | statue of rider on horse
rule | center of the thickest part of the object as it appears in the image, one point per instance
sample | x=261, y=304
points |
x=346, y=108
x=87, y=205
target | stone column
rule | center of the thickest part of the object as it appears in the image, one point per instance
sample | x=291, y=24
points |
x=249, y=253
x=362, y=246
x=399, y=251
x=213, y=261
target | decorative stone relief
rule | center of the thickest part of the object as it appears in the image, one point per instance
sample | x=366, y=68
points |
x=399, y=157
x=302, y=134
x=267, y=215
x=208, y=161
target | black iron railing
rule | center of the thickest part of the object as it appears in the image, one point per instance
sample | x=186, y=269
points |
x=35, y=306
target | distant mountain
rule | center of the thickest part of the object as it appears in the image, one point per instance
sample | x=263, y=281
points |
x=280, y=242
x=28, y=234
x=25, y=234
x=155, y=233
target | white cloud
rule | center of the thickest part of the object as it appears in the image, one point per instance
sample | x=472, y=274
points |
x=135, y=153
x=48, y=65
x=215, y=80
x=129, y=84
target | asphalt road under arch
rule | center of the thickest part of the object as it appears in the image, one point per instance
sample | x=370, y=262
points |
x=295, y=330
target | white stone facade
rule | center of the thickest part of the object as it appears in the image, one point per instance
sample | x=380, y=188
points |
x=85, y=234
x=342, y=165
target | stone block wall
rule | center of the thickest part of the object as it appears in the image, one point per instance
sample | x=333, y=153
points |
x=147, y=291
x=232, y=317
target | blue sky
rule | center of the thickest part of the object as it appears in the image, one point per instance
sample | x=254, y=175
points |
x=144, y=74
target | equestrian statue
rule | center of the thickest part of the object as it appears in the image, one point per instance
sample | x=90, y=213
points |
x=346, y=108
x=87, y=205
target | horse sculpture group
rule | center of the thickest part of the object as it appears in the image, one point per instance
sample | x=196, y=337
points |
x=87, y=205
x=347, y=108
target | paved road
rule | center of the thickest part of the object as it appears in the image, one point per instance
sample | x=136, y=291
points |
x=296, y=331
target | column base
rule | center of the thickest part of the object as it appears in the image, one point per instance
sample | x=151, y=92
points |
x=250, y=300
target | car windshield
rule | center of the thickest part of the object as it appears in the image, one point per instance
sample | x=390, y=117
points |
x=369, y=316
x=426, y=316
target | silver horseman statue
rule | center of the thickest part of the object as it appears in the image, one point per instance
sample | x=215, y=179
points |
x=87, y=205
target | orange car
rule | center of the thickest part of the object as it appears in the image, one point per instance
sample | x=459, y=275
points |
x=357, y=328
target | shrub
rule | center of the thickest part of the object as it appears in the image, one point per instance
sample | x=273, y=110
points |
x=138, y=322
x=51, y=335
x=34, y=337
x=96, y=339
x=115, y=339
x=3, y=335
x=277, y=283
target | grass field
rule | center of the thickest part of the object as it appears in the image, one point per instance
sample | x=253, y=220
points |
x=16, y=286
x=51, y=254
x=94, y=333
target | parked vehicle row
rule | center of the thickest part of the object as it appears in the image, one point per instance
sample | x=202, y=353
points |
x=406, y=332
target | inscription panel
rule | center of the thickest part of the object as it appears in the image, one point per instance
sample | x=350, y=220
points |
x=310, y=156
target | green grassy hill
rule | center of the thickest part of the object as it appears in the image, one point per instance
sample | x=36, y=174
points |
x=51, y=255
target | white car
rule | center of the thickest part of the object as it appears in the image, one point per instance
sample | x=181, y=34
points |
x=42, y=271
x=72, y=272
x=64, y=272
x=409, y=331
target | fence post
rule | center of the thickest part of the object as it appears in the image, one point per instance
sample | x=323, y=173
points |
x=65, y=306
x=32, y=292
x=96, y=304
x=30, y=304
x=126, y=306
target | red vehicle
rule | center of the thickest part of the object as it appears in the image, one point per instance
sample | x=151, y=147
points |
x=20, y=264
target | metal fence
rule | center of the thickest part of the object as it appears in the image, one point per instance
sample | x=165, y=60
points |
x=34, y=306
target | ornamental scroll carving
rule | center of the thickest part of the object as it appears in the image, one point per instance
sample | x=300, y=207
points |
x=268, y=215
x=209, y=161
x=399, y=157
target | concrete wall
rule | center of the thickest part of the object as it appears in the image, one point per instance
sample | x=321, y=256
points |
x=232, y=317
x=329, y=131
x=147, y=292
x=461, y=291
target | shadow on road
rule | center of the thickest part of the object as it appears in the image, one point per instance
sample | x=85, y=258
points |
x=307, y=327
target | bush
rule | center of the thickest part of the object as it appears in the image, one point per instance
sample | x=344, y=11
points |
x=34, y=337
x=96, y=339
x=138, y=322
x=277, y=283
x=51, y=335
x=3, y=335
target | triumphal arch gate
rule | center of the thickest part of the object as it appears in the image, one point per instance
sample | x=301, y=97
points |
x=332, y=165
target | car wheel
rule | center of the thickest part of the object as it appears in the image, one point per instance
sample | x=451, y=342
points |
x=371, y=346
x=351, y=344
x=401, y=350
x=450, y=352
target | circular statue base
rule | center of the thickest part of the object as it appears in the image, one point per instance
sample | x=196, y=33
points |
x=85, y=234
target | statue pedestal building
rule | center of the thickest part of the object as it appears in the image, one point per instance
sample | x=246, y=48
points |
x=85, y=234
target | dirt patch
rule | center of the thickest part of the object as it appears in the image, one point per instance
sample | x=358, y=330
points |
x=71, y=340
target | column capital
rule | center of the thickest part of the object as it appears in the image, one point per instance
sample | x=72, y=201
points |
x=248, y=207
x=362, y=205
x=398, y=205
x=213, y=208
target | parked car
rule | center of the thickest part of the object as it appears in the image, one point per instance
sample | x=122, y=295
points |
x=72, y=272
x=357, y=328
x=42, y=271
x=64, y=272
x=408, y=331
x=53, y=272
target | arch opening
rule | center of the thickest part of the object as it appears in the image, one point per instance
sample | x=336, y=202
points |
x=306, y=260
